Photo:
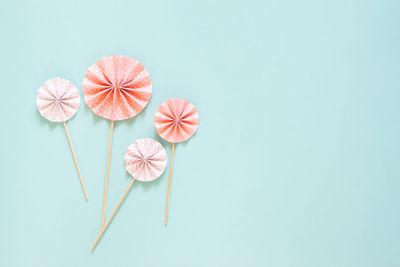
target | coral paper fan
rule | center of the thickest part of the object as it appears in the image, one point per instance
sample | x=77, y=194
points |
x=58, y=100
x=117, y=87
x=145, y=159
x=176, y=120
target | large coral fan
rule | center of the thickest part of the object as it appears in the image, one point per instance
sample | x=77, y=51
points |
x=117, y=87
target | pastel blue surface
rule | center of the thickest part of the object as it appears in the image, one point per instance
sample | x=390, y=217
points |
x=295, y=163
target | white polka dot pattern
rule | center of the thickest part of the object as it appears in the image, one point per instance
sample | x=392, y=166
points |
x=58, y=100
x=145, y=159
x=117, y=87
x=176, y=120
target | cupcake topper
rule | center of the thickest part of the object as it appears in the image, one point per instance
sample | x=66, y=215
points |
x=176, y=121
x=58, y=100
x=116, y=88
x=145, y=160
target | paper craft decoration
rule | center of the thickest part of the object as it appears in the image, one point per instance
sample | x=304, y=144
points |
x=145, y=160
x=116, y=88
x=58, y=100
x=176, y=120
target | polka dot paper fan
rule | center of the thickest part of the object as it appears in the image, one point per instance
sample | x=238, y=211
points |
x=58, y=100
x=117, y=87
x=145, y=159
x=176, y=120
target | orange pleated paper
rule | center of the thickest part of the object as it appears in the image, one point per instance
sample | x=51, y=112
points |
x=117, y=87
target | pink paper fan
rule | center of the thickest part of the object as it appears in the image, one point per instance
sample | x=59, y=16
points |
x=58, y=100
x=176, y=120
x=117, y=87
x=145, y=159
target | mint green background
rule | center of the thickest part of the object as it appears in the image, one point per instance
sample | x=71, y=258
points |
x=296, y=161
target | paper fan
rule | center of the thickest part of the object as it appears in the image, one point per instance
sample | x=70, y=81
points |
x=176, y=120
x=116, y=88
x=145, y=160
x=58, y=100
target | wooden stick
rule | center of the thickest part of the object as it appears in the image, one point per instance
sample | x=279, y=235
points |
x=76, y=162
x=169, y=182
x=112, y=215
x=108, y=173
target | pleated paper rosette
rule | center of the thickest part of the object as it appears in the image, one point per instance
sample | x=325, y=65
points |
x=145, y=159
x=58, y=100
x=176, y=120
x=117, y=87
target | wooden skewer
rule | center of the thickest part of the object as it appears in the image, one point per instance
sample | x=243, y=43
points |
x=112, y=215
x=169, y=182
x=108, y=173
x=76, y=162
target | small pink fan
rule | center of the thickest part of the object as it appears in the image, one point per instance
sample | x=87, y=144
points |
x=145, y=160
x=116, y=88
x=58, y=100
x=176, y=121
